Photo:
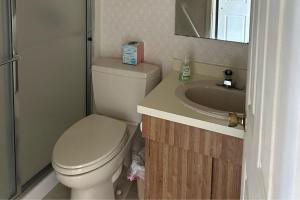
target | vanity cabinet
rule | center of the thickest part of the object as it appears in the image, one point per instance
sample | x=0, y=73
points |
x=184, y=162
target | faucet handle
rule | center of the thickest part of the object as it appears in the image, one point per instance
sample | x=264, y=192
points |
x=228, y=72
x=234, y=119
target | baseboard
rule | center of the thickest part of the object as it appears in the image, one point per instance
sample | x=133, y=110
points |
x=39, y=191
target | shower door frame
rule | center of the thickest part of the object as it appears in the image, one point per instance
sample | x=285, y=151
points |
x=13, y=63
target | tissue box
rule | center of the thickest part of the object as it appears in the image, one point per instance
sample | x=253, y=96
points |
x=133, y=53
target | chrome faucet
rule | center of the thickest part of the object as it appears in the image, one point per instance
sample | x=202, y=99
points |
x=228, y=78
x=228, y=82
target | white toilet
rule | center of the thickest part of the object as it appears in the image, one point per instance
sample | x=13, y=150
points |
x=89, y=156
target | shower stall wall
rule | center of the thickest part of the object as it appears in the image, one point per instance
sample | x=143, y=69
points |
x=44, y=91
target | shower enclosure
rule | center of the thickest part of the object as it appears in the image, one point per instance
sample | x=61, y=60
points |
x=44, y=77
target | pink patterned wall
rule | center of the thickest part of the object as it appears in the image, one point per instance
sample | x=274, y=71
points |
x=153, y=21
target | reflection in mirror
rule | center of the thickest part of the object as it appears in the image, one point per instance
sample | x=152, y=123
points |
x=214, y=19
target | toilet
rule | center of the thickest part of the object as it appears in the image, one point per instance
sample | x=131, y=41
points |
x=89, y=156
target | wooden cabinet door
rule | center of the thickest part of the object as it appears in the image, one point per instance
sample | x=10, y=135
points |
x=226, y=180
x=173, y=173
x=184, y=162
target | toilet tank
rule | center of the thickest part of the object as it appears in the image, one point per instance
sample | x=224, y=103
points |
x=118, y=88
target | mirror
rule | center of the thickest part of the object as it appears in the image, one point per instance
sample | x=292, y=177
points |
x=227, y=20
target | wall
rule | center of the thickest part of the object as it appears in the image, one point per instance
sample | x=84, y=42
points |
x=153, y=21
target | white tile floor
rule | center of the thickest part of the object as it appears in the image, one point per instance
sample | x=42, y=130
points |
x=58, y=192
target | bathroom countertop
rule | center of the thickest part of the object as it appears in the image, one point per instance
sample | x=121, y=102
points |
x=163, y=103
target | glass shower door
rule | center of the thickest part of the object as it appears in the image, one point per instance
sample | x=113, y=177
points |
x=51, y=96
x=46, y=92
x=7, y=161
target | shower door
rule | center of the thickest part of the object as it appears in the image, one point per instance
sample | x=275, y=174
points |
x=43, y=91
x=51, y=95
x=7, y=161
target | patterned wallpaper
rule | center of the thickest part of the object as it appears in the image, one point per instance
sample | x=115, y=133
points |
x=153, y=22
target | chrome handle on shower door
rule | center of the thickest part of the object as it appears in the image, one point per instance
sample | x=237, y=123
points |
x=14, y=62
x=16, y=73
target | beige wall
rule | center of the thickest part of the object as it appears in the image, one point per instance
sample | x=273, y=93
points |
x=153, y=21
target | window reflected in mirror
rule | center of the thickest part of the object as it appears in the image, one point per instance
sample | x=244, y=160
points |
x=227, y=20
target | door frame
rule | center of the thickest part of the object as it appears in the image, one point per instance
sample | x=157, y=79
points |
x=272, y=148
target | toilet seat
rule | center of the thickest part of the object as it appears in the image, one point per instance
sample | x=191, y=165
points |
x=89, y=144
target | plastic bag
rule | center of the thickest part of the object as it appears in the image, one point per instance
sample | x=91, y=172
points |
x=137, y=167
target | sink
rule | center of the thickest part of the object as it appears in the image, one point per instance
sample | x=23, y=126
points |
x=207, y=98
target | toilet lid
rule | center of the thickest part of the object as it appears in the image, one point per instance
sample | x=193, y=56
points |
x=90, y=142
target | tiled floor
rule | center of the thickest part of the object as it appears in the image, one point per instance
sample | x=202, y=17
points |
x=58, y=192
x=128, y=190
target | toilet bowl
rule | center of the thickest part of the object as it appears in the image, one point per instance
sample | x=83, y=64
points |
x=89, y=156
x=91, y=172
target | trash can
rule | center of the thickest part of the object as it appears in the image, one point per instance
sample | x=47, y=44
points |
x=137, y=167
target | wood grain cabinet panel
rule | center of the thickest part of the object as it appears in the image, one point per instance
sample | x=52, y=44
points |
x=173, y=173
x=226, y=180
x=184, y=162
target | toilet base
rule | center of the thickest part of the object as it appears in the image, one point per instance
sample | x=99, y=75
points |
x=103, y=190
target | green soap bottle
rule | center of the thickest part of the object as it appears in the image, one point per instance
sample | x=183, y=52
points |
x=185, y=70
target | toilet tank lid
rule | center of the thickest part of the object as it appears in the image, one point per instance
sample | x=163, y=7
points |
x=115, y=66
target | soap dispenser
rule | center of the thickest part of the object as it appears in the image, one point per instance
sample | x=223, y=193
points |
x=185, y=70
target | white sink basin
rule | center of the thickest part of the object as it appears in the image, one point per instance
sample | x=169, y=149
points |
x=207, y=98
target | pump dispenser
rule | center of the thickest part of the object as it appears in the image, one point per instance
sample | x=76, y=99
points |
x=185, y=70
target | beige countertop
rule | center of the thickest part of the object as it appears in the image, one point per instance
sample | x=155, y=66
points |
x=163, y=103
